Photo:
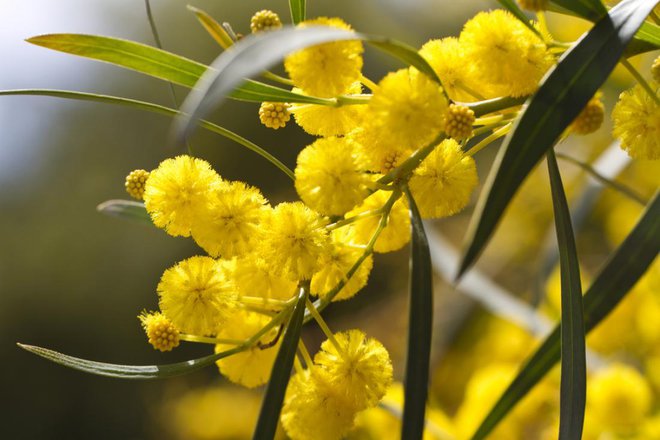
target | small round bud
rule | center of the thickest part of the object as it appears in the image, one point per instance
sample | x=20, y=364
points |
x=655, y=69
x=459, y=122
x=390, y=161
x=135, y=182
x=274, y=114
x=265, y=20
x=161, y=332
x=590, y=118
x=533, y=5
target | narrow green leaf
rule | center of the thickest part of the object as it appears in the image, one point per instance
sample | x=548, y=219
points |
x=646, y=40
x=126, y=371
x=215, y=29
x=420, y=327
x=160, y=64
x=154, y=108
x=513, y=7
x=297, y=8
x=561, y=96
x=616, y=278
x=573, y=349
x=258, y=52
x=281, y=372
x=127, y=209
x=590, y=9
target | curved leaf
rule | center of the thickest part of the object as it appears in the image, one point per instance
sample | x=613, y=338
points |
x=281, y=372
x=560, y=98
x=127, y=371
x=420, y=327
x=154, y=108
x=573, y=348
x=513, y=7
x=616, y=278
x=127, y=209
x=589, y=9
x=258, y=52
x=160, y=64
x=297, y=8
x=214, y=28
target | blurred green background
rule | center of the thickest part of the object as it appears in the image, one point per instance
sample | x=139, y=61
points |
x=74, y=280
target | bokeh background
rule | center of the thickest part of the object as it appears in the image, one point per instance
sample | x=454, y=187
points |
x=74, y=280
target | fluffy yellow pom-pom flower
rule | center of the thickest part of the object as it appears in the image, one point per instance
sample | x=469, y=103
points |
x=264, y=20
x=619, y=397
x=274, y=114
x=590, y=118
x=406, y=112
x=328, y=176
x=196, y=296
x=359, y=368
x=397, y=232
x=252, y=366
x=177, y=191
x=292, y=241
x=135, y=182
x=328, y=69
x=252, y=276
x=336, y=263
x=444, y=181
x=508, y=57
x=324, y=120
x=162, y=334
x=447, y=58
x=313, y=410
x=636, y=118
x=230, y=224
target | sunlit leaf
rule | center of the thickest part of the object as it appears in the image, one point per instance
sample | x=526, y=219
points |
x=154, y=108
x=258, y=52
x=126, y=209
x=573, y=349
x=214, y=28
x=127, y=371
x=560, y=98
x=420, y=328
x=616, y=278
x=281, y=372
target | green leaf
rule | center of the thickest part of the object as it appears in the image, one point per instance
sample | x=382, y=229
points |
x=126, y=371
x=616, y=278
x=420, y=328
x=560, y=98
x=646, y=40
x=573, y=348
x=127, y=209
x=513, y=7
x=154, y=108
x=215, y=29
x=160, y=64
x=258, y=52
x=297, y=8
x=590, y=9
x=281, y=372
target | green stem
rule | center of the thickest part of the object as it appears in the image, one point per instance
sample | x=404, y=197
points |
x=623, y=189
x=369, y=83
x=490, y=139
x=409, y=165
x=305, y=354
x=640, y=79
x=277, y=78
x=467, y=89
x=360, y=99
x=494, y=105
x=324, y=326
x=349, y=220
x=208, y=340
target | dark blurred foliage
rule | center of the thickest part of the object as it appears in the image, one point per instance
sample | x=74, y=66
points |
x=74, y=280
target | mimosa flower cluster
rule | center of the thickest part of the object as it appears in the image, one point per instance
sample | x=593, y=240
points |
x=409, y=133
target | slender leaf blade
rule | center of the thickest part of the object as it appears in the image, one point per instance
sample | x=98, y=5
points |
x=573, y=348
x=281, y=372
x=297, y=8
x=616, y=278
x=420, y=326
x=560, y=98
x=258, y=52
x=126, y=209
x=589, y=9
x=215, y=29
x=125, y=371
x=513, y=7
